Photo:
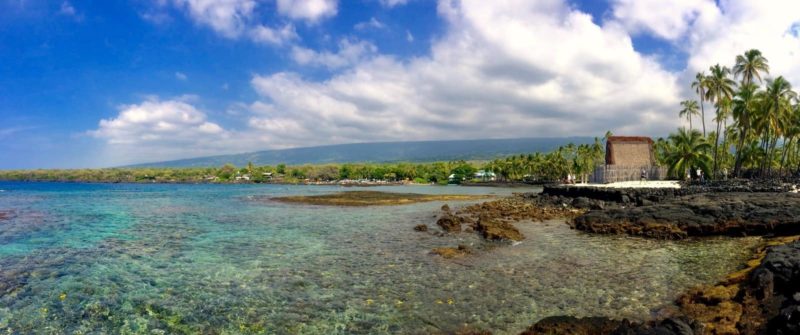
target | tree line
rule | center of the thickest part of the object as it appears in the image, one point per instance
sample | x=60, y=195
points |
x=756, y=124
x=535, y=167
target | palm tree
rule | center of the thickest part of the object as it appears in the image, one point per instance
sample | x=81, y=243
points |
x=720, y=89
x=749, y=65
x=689, y=109
x=777, y=99
x=743, y=104
x=700, y=84
x=687, y=150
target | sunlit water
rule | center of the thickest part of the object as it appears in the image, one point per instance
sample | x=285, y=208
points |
x=218, y=259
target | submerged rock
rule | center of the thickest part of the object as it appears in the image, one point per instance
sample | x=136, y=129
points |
x=493, y=229
x=449, y=252
x=421, y=227
x=449, y=222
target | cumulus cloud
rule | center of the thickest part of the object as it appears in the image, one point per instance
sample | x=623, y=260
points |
x=515, y=68
x=666, y=19
x=274, y=36
x=161, y=129
x=349, y=53
x=740, y=25
x=500, y=69
x=309, y=10
x=227, y=17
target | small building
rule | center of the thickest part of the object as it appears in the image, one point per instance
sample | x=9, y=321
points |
x=626, y=157
x=485, y=175
x=632, y=151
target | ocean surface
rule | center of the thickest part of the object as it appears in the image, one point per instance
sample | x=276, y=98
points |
x=223, y=259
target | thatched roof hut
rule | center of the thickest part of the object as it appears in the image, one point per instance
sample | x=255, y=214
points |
x=630, y=151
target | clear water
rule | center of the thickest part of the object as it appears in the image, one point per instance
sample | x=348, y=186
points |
x=218, y=259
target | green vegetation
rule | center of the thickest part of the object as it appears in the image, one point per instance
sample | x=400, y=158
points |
x=553, y=166
x=762, y=137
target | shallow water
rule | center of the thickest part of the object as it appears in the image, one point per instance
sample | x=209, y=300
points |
x=91, y=258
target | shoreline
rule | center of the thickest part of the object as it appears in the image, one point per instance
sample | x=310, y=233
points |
x=742, y=303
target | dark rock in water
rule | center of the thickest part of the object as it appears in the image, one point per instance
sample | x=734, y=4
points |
x=449, y=222
x=581, y=203
x=498, y=230
x=784, y=264
x=733, y=214
x=421, y=227
x=569, y=325
x=445, y=208
x=787, y=322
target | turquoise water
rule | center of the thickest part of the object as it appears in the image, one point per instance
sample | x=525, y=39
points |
x=222, y=259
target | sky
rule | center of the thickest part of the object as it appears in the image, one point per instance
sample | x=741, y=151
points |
x=95, y=83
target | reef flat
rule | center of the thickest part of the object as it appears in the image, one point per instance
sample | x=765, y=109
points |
x=373, y=198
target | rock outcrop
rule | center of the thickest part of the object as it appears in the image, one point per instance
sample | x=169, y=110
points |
x=705, y=214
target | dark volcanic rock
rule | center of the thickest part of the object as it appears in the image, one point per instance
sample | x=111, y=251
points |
x=783, y=262
x=421, y=227
x=733, y=214
x=568, y=325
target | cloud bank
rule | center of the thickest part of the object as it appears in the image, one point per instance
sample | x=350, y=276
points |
x=512, y=68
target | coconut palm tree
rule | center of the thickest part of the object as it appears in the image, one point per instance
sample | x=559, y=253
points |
x=720, y=89
x=743, y=104
x=700, y=86
x=687, y=150
x=689, y=110
x=777, y=108
x=750, y=65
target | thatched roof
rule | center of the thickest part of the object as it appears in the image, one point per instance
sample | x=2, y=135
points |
x=629, y=151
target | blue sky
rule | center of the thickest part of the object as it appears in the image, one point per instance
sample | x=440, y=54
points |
x=104, y=83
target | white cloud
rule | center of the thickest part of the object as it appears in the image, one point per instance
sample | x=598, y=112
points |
x=515, y=68
x=409, y=36
x=392, y=3
x=712, y=33
x=743, y=25
x=181, y=76
x=160, y=129
x=501, y=69
x=666, y=19
x=309, y=10
x=227, y=17
x=263, y=34
x=350, y=53
x=372, y=23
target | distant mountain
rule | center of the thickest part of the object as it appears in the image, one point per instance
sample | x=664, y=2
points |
x=419, y=151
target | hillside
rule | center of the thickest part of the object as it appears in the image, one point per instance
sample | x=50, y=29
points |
x=418, y=151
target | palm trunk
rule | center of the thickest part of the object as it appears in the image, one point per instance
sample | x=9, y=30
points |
x=702, y=112
x=737, y=168
x=783, y=156
x=716, y=147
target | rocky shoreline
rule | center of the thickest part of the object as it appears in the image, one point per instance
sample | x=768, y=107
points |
x=761, y=298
